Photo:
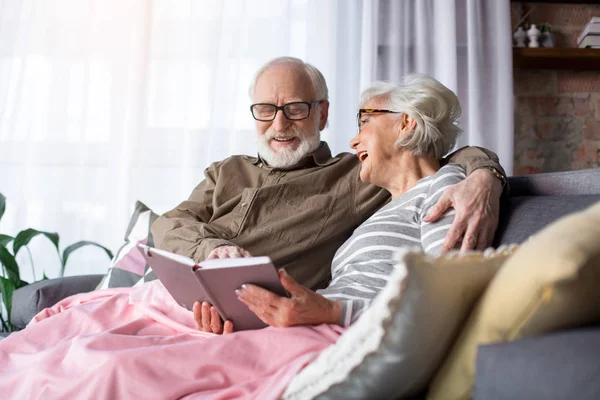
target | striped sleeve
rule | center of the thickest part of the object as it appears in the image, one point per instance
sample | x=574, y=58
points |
x=357, y=286
x=434, y=233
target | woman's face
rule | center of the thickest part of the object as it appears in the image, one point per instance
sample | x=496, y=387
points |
x=374, y=143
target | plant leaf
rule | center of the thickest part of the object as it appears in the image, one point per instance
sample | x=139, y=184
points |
x=5, y=240
x=9, y=262
x=44, y=277
x=70, y=249
x=7, y=287
x=24, y=237
x=2, y=205
x=5, y=327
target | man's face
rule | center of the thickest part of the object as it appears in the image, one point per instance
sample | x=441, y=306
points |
x=283, y=142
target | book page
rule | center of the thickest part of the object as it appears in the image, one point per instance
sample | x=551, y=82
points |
x=233, y=262
x=175, y=257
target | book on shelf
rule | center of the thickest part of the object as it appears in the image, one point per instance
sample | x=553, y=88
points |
x=590, y=41
x=214, y=281
x=591, y=28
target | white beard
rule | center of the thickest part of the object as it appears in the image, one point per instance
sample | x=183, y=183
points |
x=283, y=158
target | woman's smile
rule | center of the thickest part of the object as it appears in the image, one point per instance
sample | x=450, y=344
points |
x=362, y=155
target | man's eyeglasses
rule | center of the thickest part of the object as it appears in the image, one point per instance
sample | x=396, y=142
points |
x=372, y=111
x=295, y=111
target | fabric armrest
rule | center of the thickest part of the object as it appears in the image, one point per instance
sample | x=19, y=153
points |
x=562, y=365
x=31, y=299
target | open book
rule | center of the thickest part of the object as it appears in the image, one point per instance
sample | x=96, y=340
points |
x=215, y=282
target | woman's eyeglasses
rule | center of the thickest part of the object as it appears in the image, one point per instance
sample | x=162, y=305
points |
x=372, y=111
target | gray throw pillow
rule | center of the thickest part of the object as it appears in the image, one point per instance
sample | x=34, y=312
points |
x=128, y=267
x=395, y=347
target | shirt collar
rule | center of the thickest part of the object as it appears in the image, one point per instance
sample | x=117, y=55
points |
x=321, y=157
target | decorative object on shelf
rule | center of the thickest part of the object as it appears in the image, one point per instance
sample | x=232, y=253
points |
x=547, y=36
x=520, y=37
x=590, y=37
x=592, y=42
x=534, y=34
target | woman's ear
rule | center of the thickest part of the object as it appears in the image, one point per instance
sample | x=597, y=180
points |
x=407, y=124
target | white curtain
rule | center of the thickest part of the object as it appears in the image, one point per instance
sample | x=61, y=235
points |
x=466, y=45
x=105, y=102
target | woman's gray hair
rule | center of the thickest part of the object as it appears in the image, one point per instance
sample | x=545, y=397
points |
x=433, y=106
x=316, y=77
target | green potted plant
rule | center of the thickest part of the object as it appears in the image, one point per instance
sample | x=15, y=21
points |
x=10, y=277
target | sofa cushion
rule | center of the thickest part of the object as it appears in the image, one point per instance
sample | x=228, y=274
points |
x=398, y=343
x=550, y=283
x=31, y=299
x=526, y=215
x=563, y=365
x=569, y=183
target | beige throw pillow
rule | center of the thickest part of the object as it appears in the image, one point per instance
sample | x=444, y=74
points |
x=397, y=344
x=550, y=283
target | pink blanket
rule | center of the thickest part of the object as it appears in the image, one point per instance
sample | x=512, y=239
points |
x=138, y=343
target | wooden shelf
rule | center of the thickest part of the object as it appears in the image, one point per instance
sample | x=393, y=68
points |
x=557, y=58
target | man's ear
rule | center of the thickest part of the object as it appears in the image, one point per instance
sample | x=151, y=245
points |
x=407, y=124
x=324, y=114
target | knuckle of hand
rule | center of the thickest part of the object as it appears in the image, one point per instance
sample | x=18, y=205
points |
x=470, y=239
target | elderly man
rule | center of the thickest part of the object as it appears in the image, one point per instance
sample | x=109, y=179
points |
x=296, y=202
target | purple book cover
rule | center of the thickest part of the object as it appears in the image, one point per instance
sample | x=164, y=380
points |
x=215, y=282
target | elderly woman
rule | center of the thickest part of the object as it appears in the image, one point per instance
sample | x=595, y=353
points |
x=403, y=131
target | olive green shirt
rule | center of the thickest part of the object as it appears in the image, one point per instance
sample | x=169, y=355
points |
x=298, y=216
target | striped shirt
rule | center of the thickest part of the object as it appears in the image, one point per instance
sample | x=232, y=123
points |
x=362, y=265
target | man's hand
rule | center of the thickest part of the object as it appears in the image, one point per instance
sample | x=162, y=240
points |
x=305, y=307
x=477, y=204
x=228, y=252
x=208, y=320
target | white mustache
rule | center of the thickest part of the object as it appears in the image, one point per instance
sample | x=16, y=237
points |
x=291, y=132
x=286, y=156
x=282, y=137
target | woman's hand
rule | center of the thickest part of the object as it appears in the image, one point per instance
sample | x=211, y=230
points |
x=477, y=204
x=208, y=320
x=304, y=307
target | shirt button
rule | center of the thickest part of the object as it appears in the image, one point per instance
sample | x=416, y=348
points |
x=244, y=205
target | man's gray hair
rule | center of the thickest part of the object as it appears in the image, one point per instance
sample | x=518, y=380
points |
x=316, y=77
x=433, y=106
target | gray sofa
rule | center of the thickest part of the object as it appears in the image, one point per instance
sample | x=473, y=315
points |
x=564, y=365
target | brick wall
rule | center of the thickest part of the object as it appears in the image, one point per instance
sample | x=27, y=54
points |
x=557, y=112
